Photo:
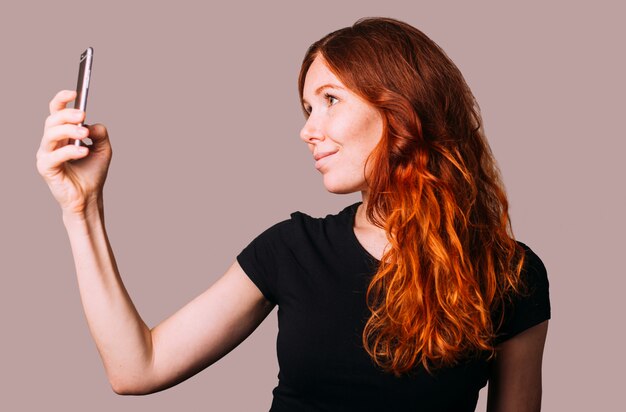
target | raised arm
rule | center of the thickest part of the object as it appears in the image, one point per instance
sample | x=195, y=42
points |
x=515, y=383
x=137, y=360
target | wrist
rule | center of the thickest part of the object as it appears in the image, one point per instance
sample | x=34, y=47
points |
x=93, y=209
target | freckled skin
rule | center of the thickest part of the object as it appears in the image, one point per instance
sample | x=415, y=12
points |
x=345, y=123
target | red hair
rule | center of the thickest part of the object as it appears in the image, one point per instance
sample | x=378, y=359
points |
x=436, y=190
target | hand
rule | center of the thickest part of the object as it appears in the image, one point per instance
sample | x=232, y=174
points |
x=77, y=183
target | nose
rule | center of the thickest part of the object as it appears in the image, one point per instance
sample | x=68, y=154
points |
x=311, y=130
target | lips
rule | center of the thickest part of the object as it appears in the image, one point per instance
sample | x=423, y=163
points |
x=321, y=155
x=320, y=159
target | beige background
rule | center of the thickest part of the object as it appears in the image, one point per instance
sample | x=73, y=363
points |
x=201, y=104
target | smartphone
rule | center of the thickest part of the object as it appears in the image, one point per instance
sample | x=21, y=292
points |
x=82, y=87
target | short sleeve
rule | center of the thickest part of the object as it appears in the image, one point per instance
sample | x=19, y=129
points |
x=261, y=258
x=531, y=307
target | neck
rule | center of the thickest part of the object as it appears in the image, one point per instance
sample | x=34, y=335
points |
x=361, y=220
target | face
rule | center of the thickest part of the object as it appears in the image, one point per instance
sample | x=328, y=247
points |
x=340, y=123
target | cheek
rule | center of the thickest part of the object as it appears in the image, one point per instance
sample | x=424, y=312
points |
x=369, y=133
x=341, y=131
x=355, y=133
x=356, y=129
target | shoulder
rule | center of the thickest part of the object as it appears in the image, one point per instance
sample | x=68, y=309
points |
x=534, y=275
x=302, y=227
x=531, y=305
x=286, y=247
x=340, y=218
x=285, y=230
x=303, y=230
x=532, y=262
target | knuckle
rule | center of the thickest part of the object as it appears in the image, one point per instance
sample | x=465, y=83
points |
x=101, y=129
x=59, y=99
x=48, y=121
x=64, y=94
x=41, y=169
x=47, y=134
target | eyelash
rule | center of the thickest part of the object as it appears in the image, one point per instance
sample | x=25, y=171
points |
x=327, y=96
x=330, y=96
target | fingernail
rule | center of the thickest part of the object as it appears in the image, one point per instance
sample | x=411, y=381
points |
x=81, y=131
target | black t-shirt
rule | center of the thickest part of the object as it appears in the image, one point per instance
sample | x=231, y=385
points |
x=317, y=272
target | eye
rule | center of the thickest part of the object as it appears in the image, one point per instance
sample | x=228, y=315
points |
x=330, y=98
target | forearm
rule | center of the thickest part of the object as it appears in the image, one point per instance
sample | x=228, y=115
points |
x=122, y=338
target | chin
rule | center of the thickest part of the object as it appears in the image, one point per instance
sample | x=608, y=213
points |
x=340, y=187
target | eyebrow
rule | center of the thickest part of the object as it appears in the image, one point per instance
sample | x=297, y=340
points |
x=322, y=87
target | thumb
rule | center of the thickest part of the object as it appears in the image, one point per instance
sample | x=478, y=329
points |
x=99, y=135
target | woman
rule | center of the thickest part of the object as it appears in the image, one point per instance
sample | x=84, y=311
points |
x=409, y=300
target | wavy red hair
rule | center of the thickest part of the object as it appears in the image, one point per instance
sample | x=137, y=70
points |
x=436, y=190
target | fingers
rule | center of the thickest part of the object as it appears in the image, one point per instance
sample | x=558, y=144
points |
x=60, y=127
x=56, y=136
x=62, y=123
x=74, y=116
x=51, y=162
x=61, y=99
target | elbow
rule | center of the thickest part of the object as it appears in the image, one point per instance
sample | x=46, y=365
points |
x=119, y=390
x=126, y=380
x=125, y=388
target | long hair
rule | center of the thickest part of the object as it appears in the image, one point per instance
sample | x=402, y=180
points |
x=436, y=190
